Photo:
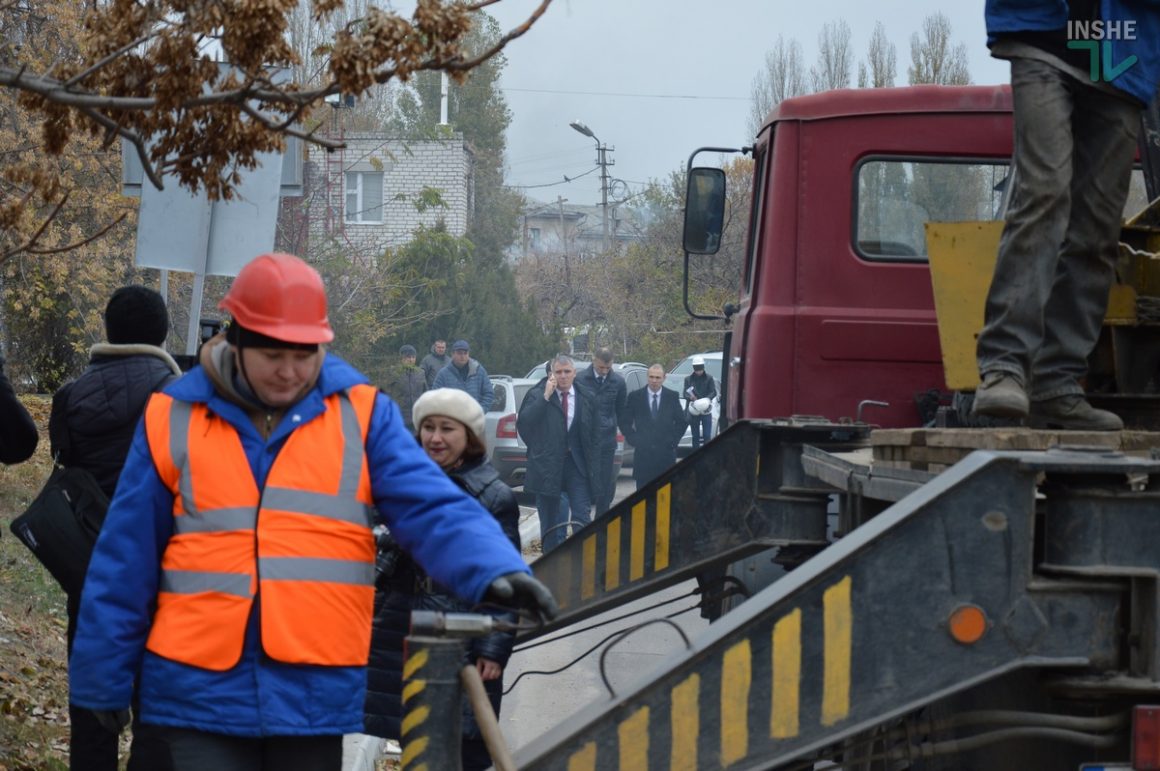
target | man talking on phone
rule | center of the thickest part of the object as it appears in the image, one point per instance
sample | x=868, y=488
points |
x=559, y=424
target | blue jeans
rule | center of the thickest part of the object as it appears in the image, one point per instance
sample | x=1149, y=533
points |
x=553, y=522
x=701, y=425
x=1074, y=146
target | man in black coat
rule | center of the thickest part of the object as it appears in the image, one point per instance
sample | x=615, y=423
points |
x=18, y=435
x=92, y=424
x=559, y=423
x=654, y=424
x=436, y=360
x=609, y=391
x=406, y=383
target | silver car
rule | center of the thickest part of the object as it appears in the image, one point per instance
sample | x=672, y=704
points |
x=506, y=449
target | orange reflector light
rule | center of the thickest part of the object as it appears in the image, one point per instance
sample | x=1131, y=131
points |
x=967, y=624
x=1146, y=738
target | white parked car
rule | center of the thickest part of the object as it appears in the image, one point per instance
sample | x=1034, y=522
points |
x=676, y=381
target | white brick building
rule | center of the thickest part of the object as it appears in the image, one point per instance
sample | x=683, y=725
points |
x=376, y=191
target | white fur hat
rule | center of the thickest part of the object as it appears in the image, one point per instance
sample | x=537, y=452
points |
x=454, y=404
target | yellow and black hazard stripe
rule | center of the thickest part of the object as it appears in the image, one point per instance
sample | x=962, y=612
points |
x=612, y=552
x=707, y=717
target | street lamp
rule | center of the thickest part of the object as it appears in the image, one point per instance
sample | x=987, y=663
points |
x=602, y=161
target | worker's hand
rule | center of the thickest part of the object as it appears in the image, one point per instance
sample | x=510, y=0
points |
x=488, y=669
x=520, y=590
x=112, y=720
x=550, y=386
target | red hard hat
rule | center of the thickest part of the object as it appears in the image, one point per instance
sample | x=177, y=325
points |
x=280, y=296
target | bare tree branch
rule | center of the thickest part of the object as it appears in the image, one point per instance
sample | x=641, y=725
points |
x=112, y=56
x=31, y=241
x=79, y=244
x=150, y=81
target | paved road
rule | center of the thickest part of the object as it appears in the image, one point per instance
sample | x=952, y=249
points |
x=538, y=703
x=530, y=523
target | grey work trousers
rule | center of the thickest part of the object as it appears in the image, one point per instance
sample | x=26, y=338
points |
x=1074, y=146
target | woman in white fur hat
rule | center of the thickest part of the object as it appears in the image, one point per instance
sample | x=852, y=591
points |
x=450, y=429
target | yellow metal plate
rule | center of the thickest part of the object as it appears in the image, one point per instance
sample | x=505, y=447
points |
x=962, y=262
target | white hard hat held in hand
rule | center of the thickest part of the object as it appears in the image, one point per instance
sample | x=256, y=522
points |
x=701, y=406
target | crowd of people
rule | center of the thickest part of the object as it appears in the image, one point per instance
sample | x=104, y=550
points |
x=273, y=518
x=235, y=594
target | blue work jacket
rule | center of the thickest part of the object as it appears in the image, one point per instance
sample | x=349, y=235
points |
x=456, y=540
x=1140, y=79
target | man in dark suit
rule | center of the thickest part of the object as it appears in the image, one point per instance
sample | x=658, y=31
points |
x=654, y=423
x=609, y=392
x=560, y=425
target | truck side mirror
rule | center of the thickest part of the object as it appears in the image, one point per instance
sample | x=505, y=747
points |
x=704, y=210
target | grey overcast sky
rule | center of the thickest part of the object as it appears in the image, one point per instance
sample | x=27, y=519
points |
x=656, y=79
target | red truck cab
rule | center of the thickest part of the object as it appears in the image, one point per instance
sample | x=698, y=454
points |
x=836, y=306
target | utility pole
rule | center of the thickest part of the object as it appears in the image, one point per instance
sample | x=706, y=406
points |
x=563, y=232
x=603, y=162
x=564, y=242
x=602, y=159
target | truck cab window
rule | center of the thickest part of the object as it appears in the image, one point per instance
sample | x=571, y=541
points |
x=894, y=199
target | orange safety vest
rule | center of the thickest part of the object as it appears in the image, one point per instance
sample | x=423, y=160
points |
x=303, y=542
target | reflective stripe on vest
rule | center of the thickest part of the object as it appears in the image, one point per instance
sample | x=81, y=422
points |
x=304, y=543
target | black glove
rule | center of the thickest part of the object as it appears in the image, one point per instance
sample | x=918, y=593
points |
x=520, y=590
x=112, y=720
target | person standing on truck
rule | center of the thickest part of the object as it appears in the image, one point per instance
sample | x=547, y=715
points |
x=234, y=573
x=654, y=426
x=609, y=392
x=699, y=392
x=1075, y=140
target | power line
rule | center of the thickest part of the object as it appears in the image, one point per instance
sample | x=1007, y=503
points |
x=634, y=96
x=564, y=181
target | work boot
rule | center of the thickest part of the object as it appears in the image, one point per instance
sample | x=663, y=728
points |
x=1000, y=396
x=1071, y=412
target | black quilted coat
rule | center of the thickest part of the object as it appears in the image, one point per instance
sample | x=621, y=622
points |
x=402, y=592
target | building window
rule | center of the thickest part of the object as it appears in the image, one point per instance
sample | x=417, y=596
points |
x=364, y=197
x=534, y=237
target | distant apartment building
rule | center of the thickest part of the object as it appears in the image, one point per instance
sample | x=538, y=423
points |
x=375, y=191
x=561, y=227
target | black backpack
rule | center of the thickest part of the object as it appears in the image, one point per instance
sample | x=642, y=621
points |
x=61, y=524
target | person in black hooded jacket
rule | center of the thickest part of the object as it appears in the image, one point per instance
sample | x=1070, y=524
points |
x=451, y=429
x=91, y=427
x=18, y=434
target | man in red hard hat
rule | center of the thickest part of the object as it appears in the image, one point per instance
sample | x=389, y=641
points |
x=235, y=570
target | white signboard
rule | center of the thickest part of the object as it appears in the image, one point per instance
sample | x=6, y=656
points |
x=179, y=230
